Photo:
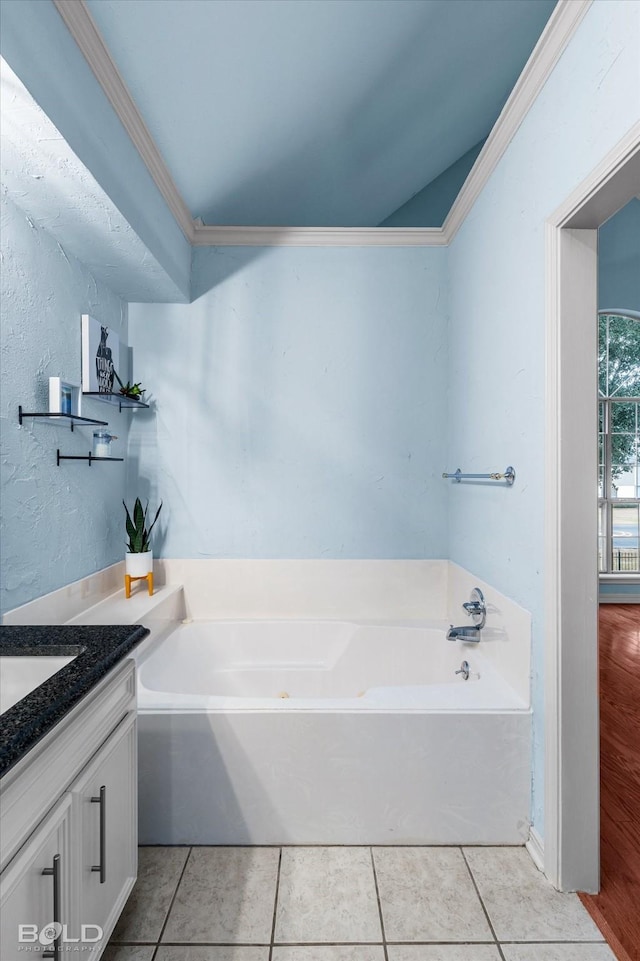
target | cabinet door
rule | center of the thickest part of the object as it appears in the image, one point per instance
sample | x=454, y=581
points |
x=105, y=817
x=37, y=877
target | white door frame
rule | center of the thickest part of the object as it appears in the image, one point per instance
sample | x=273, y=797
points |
x=572, y=769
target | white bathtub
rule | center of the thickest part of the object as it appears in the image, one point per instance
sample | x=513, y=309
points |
x=328, y=732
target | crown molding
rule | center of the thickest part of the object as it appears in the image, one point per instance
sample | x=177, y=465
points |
x=204, y=236
x=563, y=23
x=82, y=28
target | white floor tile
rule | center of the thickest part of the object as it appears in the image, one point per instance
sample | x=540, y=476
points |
x=226, y=895
x=558, y=952
x=522, y=904
x=193, y=952
x=159, y=870
x=128, y=952
x=327, y=894
x=443, y=952
x=426, y=894
x=329, y=952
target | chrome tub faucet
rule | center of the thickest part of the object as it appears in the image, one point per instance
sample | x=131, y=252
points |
x=477, y=611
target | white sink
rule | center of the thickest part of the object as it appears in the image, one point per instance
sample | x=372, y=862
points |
x=21, y=675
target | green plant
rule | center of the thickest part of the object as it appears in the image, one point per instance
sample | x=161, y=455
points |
x=135, y=391
x=137, y=530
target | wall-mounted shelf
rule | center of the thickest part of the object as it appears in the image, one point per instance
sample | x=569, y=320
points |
x=118, y=400
x=88, y=457
x=53, y=417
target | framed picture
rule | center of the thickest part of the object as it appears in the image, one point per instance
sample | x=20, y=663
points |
x=64, y=398
x=100, y=356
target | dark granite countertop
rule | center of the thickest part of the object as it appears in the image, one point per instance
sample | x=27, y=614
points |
x=96, y=649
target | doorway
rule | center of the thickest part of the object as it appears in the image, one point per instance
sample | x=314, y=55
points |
x=572, y=831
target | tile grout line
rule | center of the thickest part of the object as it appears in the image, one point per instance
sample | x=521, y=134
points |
x=275, y=907
x=375, y=881
x=482, y=904
x=341, y=944
x=184, y=868
x=318, y=844
x=329, y=944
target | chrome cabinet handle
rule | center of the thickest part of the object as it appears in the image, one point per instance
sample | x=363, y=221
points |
x=55, y=873
x=102, y=801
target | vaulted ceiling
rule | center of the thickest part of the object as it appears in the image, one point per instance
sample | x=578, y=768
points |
x=316, y=112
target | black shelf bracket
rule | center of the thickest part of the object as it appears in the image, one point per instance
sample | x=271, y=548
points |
x=88, y=457
x=70, y=419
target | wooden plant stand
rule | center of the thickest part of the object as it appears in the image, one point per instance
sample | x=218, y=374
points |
x=146, y=577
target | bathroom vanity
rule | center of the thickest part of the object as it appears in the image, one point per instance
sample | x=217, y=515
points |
x=68, y=793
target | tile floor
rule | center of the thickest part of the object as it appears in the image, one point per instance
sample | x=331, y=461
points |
x=349, y=904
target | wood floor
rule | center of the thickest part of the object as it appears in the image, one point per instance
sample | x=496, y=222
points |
x=616, y=909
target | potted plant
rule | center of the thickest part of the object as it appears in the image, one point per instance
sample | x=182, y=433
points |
x=132, y=391
x=139, y=556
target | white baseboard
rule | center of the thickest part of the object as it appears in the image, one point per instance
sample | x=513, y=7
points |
x=535, y=847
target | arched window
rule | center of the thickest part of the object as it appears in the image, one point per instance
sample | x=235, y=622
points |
x=619, y=441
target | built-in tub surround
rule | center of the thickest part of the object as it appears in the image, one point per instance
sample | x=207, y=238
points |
x=318, y=665
x=329, y=726
x=329, y=732
x=322, y=589
x=378, y=739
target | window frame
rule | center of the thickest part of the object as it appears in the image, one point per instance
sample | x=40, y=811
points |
x=606, y=502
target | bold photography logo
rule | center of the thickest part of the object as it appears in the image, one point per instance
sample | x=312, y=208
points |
x=35, y=937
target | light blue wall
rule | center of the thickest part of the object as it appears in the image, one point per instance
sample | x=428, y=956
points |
x=619, y=259
x=430, y=206
x=37, y=45
x=299, y=405
x=57, y=524
x=496, y=346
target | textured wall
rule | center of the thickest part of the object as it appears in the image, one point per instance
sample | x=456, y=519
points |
x=53, y=187
x=57, y=523
x=496, y=344
x=299, y=404
x=36, y=43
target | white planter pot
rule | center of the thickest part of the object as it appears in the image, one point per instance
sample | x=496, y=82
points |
x=138, y=565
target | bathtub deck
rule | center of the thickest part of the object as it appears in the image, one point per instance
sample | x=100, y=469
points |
x=350, y=904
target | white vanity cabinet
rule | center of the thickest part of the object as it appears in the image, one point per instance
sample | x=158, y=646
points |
x=35, y=890
x=104, y=815
x=74, y=796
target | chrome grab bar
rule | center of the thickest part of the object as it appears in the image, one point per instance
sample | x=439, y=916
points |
x=509, y=476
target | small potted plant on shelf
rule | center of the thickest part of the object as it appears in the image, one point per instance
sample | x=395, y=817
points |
x=139, y=556
x=132, y=391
